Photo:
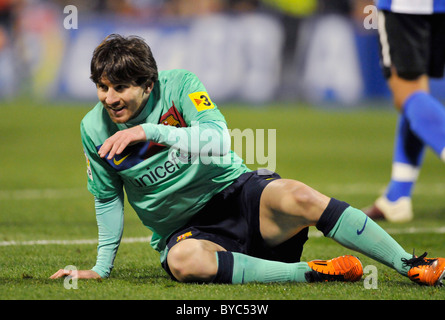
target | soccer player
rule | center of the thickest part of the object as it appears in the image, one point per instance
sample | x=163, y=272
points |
x=161, y=137
x=412, y=39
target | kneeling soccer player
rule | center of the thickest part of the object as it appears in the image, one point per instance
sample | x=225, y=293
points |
x=213, y=219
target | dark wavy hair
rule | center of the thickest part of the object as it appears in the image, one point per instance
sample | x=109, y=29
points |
x=124, y=60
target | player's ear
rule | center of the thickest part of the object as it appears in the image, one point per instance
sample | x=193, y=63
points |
x=149, y=88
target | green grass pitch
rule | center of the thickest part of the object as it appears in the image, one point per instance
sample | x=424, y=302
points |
x=43, y=199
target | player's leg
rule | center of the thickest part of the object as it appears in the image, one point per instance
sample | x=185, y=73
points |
x=395, y=204
x=297, y=206
x=195, y=260
x=286, y=205
x=374, y=242
x=412, y=47
x=425, y=114
x=426, y=117
x=211, y=247
x=286, y=208
x=343, y=223
x=421, y=123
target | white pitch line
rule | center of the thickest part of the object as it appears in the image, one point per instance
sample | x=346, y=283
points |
x=415, y=230
x=312, y=234
x=38, y=194
x=434, y=189
x=394, y=231
x=67, y=242
x=373, y=188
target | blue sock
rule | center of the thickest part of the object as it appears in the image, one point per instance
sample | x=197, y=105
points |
x=426, y=117
x=407, y=160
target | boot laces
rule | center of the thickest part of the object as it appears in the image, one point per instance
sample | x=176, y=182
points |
x=417, y=261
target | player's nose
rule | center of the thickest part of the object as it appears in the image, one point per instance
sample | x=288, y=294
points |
x=112, y=97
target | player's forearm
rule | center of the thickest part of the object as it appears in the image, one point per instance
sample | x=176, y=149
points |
x=110, y=222
x=209, y=138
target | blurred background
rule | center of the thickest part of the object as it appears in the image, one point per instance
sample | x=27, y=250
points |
x=322, y=52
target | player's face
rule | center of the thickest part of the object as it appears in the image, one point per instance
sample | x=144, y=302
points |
x=122, y=101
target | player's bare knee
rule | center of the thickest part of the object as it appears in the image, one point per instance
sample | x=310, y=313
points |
x=185, y=261
x=299, y=194
x=179, y=257
x=307, y=202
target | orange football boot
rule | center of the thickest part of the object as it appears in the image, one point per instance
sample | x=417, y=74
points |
x=426, y=271
x=345, y=268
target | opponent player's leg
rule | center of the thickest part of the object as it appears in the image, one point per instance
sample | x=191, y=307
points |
x=426, y=117
x=422, y=123
x=395, y=204
x=424, y=113
x=408, y=55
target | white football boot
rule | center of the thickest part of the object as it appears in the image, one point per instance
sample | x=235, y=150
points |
x=393, y=211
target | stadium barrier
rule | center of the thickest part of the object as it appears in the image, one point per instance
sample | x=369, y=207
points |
x=237, y=57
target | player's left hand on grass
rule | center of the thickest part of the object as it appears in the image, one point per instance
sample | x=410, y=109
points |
x=120, y=140
x=79, y=274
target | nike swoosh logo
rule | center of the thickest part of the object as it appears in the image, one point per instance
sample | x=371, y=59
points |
x=359, y=232
x=121, y=160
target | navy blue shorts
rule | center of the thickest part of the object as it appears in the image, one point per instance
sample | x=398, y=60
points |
x=413, y=43
x=231, y=219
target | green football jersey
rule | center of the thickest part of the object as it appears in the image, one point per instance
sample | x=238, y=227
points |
x=165, y=185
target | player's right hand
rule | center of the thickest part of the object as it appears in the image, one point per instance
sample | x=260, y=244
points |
x=78, y=274
x=120, y=140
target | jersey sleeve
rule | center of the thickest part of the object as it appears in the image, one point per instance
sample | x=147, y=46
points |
x=210, y=138
x=103, y=181
x=206, y=130
x=110, y=223
x=195, y=103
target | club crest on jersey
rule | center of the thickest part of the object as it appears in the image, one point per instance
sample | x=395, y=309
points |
x=173, y=118
x=171, y=121
x=184, y=236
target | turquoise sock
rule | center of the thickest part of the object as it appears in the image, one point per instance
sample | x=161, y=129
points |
x=247, y=269
x=356, y=231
